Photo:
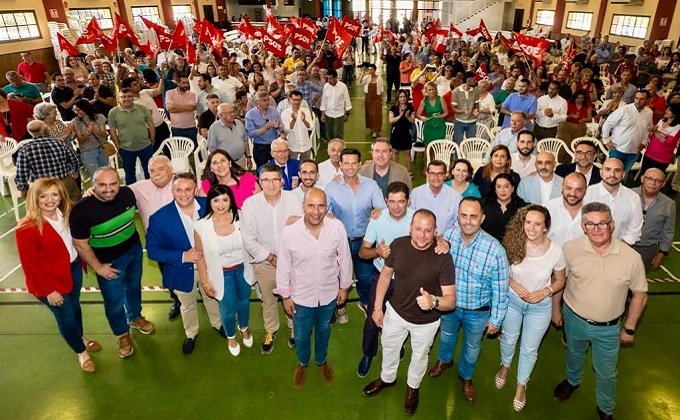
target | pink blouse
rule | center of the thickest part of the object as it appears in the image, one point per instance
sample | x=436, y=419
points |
x=242, y=190
x=663, y=151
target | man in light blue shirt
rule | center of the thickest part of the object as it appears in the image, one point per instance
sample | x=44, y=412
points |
x=508, y=136
x=351, y=200
x=520, y=101
x=437, y=197
x=263, y=124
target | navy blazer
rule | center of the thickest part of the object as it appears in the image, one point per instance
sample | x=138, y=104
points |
x=293, y=166
x=566, y=168
x=166, y=241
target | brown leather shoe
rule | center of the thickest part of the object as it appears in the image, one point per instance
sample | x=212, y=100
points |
x=125, y=348
x=468, y=390
x=376, y=386
x=411, y=400
x=299, y=376
x=327, y=373
x=563, y=390
x=439, y=368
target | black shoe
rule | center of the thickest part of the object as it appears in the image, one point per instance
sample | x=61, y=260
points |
x=564, y=390
x=604, y=416
x=221, y=332
x=364, y=366
x=268, y=342
x=376, y=386
x=411, y=400
x=188, y=345
x=174, y=311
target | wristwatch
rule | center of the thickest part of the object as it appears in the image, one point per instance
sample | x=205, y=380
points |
x=435, y=302
x=629, y=331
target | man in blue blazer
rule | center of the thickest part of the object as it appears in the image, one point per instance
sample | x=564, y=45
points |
x=290, y=168
x=585, y=153
x=170, y=241
x=540, y=188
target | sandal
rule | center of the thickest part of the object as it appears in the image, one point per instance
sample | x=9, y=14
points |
x=500, y=382
x=93, y=346
x=88, y=366
x=518, y=405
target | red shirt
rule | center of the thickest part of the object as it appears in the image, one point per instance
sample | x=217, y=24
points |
x=582, y=113
x=32, y=73
x=657, y=103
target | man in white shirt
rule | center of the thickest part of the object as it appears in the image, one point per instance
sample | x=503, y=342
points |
x=437, y=197
x=508, y=136
x=552, y=110
x=226, y=83
x=624, y=202
x=329, y=169
x=626, y=130
x=297, y=123
x=523, y=161
x=335, y=106
x=565, y=211
x=545, y=185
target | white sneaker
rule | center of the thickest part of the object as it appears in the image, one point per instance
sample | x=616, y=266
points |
x=235, y=351
x=342, y=316
x=248, y=342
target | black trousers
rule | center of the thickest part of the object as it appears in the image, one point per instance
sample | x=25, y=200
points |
x=262, y=153
x=392, y=81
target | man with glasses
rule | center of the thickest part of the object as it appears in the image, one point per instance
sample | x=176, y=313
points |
x=229, y=134
x=602, y=269
x=263, y=124
x=585, y=154
x=64, y=97
x=437, y=197
x=623, y=202
x=264, y=216
x=289, y=167
x=658, y=228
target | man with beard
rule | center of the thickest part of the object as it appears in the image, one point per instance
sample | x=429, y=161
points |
x=207, y=88
x=309, y=175
x=624, y=203
x=520, y=101
x=626, y=130
x=382, y=169
x=565, y=211
x=552, y=110
x=181, y=103
x=545, y=185
x=585, y=153
x=523, y=160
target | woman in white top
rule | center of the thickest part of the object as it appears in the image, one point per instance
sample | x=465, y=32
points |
x=537, y=272
x=223, y=268
x=487, y=106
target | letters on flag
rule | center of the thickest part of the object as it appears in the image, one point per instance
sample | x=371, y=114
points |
x=300, y=38
x=485, y=31
x=309, y=26
x=274, y=45
x=179, y=37
x=122, y=30
x=91, y=33
x=533, y=47
x=482, y=73
x=353, y=27
x=440, y=40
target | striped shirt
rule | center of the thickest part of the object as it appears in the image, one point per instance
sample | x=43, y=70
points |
x=482, y=273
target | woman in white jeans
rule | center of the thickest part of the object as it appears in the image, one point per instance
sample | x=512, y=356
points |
x=537, y=272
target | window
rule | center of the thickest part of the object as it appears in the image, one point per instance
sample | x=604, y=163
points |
x=359, y=10
x=579, y=20
x=332, y=8
x=630, y=26
x=103, y=16
x=179, y=12
x=18, y=25
x=149, y=12
x=545, y=17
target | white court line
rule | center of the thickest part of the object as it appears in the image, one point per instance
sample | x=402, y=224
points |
x=10, y=273
x=11, y=210
x=676, y=248
x=7, y=233
x=669, y=273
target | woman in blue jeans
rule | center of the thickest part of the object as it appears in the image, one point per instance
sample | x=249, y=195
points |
x=224, y=266
x=537, y=272
x=90, y=130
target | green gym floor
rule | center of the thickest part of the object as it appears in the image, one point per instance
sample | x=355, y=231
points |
x=40, y=377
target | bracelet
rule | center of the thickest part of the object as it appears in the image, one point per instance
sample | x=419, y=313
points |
x=552, y=292
x=248, y=157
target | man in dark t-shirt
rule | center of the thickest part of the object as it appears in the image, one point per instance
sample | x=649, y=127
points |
x=106, y=238
x=423, y=285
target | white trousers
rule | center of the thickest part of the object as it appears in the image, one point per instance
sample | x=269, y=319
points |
x=189, y=308
x=394, y=332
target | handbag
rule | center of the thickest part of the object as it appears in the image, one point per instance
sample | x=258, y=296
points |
x=109, y=148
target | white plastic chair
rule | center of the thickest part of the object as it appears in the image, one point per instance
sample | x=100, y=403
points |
x=15, y=194
x=449, y=131
x=598, y=143
x=474, y=150
x=200, y=155
x=180, y=149
x=494, y=131
x=419, y=138
x=7, y=168
x=554, y=145
x=483, y=132
x=444, y=150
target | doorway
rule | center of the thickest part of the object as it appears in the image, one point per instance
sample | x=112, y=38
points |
x=518, y=20
x=208, y=13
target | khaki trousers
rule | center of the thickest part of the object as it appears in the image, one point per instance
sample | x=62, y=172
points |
x=265, y=274
x=189, y=308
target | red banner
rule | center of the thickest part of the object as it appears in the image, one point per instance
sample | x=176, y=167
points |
x=149, y=48
x=245, y=27
x=66, y=46
x=473, y=31
x=532, y=47
x=110, y=42
x=338, y=36
x=511, y=44
x=440, y=40
x=309, y=26
x=485, y=31
x=179, y=37
x=482, y=72
x=191, y=53
x=274, y=45
x=211, y=35
x=273, y=26
x=353, y=27
x=91, y=33
x=432, y=30
x=151, y=25
x=455, y=30
x=198, y=25
x=300, y=38
x=121, y=30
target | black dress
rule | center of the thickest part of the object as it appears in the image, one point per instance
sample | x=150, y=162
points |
x=495, y=221
x=400, y=134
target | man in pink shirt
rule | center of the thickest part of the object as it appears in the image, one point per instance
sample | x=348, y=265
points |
x=313, y=274
x=181, y=103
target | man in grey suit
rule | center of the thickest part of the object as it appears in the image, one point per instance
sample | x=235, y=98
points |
x=543, y=186
x=382, y=169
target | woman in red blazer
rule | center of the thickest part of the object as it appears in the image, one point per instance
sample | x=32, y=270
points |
x=51, y=265
x=14, y=115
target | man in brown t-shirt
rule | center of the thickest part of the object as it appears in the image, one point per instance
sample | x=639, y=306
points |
x=423, y=282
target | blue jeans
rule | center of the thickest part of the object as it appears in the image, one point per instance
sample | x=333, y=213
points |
x=532, y=321
x=363, y=271
x=123, y=295
x=190, y=132
x=69, y=316
x=628, y=159
x=235, y=302
x=474, y=325
x=460, y=128
x=605, y=343
x=94, y=159
x=130, y=162
x=306, y=318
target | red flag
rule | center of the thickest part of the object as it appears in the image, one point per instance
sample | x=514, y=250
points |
x=179, y=37
x=379, y=34
x=150, y=24
x=568, y=57
x=245, y=27
x=485, y=31
x=482, y=72
x=294, y=20
x=274, y=45
x=473, y=31
x=332, y=31
x=66, y=46
x=392, y=38
x=533, y=47
x=91, y=33
x=273, y=26
x=110, y=42
x=455, y=30
x=211, y=35
x=149, y=48
x=338, y=36
x=300, y=38
x=432, y=30
x=191, y=53
x=511, y=44
x=122, y=30
x=309, y=26
x=258, y=32
x=440, y=40
x=353, y=27
x=198, y=25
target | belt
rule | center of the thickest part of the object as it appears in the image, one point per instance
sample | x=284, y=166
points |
x=597, y=323
x=355, y=238
x=232, y=268
x=480, y=309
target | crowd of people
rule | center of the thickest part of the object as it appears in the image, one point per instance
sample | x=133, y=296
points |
x=519, y=243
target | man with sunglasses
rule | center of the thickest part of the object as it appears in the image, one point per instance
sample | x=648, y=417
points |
x=602, y=269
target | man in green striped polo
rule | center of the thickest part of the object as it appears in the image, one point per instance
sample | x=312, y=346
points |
x=104, y=233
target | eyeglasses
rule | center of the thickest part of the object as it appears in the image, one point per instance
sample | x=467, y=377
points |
x=269, y=180
x=438, y=174
x=590, y=226
x=280, y=151
x=581, y=153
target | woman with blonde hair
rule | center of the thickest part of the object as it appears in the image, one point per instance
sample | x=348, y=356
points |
x=51, y=265
x=432, y=111
x=537, y=272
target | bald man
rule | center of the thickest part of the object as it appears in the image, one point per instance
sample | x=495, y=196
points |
x=658, y=228
x=317, y=247
x=545, y=185
x=229, y=134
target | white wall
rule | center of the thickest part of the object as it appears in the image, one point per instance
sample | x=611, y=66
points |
x=493, y=15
